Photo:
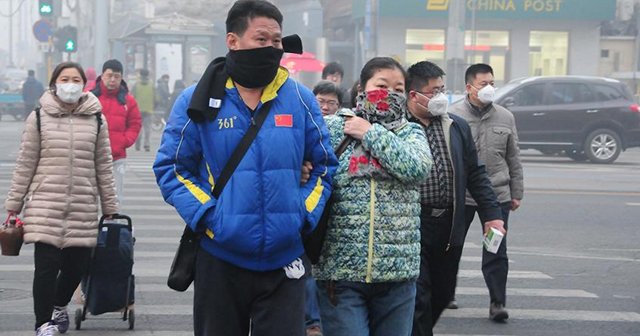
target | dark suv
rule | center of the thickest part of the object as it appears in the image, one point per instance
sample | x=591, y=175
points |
x=592, y=118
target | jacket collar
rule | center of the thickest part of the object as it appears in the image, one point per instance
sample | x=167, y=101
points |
x=88, y=105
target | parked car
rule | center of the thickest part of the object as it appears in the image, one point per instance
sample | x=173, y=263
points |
x=586, y=118
x=13, y=79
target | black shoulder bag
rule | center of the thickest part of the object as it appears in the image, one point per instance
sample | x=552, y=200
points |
x=314, y=241
x=182, y=270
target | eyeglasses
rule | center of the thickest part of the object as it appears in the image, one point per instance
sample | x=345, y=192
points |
x=432, y=93
x=328, y=103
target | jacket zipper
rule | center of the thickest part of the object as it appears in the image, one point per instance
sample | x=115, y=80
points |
x=453, y=215
x=68, y=205
x=259, y=167
x=372, y=204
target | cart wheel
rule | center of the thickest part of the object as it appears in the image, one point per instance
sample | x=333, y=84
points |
x=132, y=319
x=78, y=318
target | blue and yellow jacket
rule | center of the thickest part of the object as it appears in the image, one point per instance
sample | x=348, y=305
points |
x=258, y=220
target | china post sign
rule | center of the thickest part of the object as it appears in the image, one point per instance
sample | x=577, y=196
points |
x=499, y=9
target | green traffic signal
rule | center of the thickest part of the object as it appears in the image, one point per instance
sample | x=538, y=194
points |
x=45, y=7
x=70, y=46
x=65, y=39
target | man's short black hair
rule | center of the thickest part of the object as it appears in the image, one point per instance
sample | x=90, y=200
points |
x=326, y=87
x=112, y=64
x=31, y=73
x=331, y=68
x=476, y=69
x=420, y=73
x=243, y=11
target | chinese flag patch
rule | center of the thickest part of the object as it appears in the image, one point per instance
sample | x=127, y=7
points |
x=284, y=120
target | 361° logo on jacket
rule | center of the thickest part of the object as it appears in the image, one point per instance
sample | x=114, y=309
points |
x=284, y=120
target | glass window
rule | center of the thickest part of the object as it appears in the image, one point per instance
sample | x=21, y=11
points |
x=605, y=93
x=570, y=93
x=548, y=53
x=488, y=47
x=425, y=44
x=530, y=95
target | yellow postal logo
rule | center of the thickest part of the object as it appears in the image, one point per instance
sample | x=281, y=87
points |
x=437, y=5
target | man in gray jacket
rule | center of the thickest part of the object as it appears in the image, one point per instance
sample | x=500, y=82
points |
x=494, y=131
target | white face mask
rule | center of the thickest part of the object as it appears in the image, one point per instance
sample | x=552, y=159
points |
x=69, y=92
x=438, y=105
x=487, y=94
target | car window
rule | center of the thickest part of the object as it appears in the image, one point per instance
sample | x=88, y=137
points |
x=570, y=93
x=605, y=93
x=530, y=95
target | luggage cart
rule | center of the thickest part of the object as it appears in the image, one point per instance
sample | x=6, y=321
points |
x=109, y=285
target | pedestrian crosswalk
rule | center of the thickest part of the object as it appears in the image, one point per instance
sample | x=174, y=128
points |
x=533, y=293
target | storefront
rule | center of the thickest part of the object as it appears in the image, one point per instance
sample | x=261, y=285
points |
x=517, y=37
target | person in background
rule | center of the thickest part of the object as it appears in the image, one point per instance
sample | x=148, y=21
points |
x=32, y=89
x=494, y=130
x=178, y=87
x=369, y=263
x=251, y=268
x=121, y=111
x=162, y=93
x=91, y=79
x=329, y=97
x=144, y=93
x=62, y=169
x=334, y=72
x=455, y=170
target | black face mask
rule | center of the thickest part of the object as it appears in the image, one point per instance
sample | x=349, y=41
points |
x=253, y=68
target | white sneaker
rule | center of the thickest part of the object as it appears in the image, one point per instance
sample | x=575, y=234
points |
x=47, y=329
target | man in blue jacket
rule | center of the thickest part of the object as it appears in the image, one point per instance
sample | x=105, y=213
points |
x=455, y=170
x=251, y=255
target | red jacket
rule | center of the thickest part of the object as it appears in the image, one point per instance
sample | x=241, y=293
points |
x=123, y=117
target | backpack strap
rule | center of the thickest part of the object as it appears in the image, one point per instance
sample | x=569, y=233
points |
x=38, y=122
x=99, y=120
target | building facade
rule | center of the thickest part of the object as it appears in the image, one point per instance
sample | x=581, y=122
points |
x=517, y=37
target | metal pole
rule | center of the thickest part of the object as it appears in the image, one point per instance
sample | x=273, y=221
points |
x=101, y=40
x=473, y=32
x=455, y=45
x=11, y=33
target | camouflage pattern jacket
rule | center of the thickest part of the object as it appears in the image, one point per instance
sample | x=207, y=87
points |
x=374, y=226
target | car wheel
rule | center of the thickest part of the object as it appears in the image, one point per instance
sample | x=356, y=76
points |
x=602, y=146
x=576, y=155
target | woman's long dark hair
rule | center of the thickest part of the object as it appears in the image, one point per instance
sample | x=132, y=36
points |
x=66, y=65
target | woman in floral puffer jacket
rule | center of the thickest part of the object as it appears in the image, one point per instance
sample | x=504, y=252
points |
x=371, y=255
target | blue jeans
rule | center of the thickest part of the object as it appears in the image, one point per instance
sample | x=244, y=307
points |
x=364, y=309
x=311, y=309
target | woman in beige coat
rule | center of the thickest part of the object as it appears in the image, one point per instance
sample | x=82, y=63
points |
x=63, y=166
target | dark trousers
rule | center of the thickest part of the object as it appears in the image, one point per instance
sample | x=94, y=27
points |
x=231, y=301
x=57, y=275
x=495, y=267
x=438, y=271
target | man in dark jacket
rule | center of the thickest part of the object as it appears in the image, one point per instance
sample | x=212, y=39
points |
x=32, y=89
x=455, y=170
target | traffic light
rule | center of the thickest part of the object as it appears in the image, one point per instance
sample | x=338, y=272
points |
x=65, y=39
x=45, y=7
